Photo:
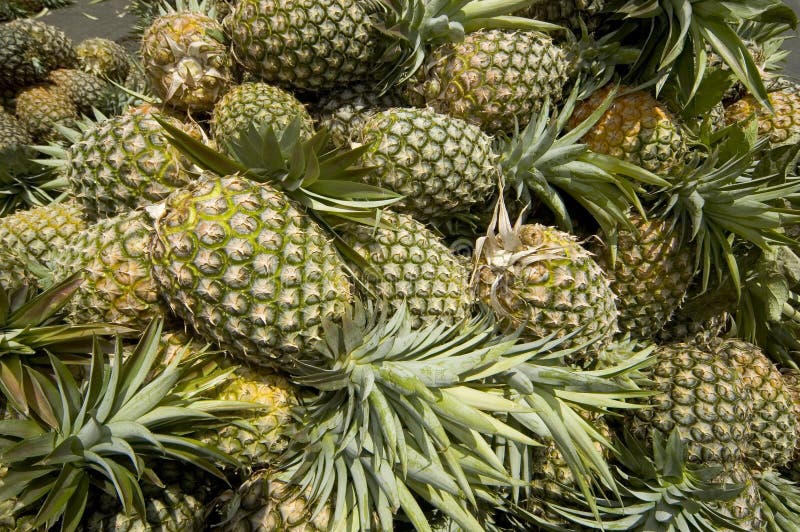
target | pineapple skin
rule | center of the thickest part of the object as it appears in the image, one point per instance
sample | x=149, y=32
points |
x=442, y=165
x=559, y=293
x=187, y=66
x=123, y=163
x=305, y=44
x=703, y=395
x=774, y=423
x=246, y=268
x=14, y=144
x=650, y=276
x=567, y=13
x=29, y=49
x=745, y=508
x=34, y=232
x=266, y=503
x=345, y=111
x=635, y=128
x=494, y=79
x=41, y=107
x=118, y=286
x=258, y=104
x=417, y=269
x=791, y=377
x=85, y=90
x=103, y=58
x=263, y=444
x=783, y=127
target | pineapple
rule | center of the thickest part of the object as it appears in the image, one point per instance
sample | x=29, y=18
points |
x=745, y=509
x=14, y=145
x=186, y=58
x=118, y=286
x=30, y=49
x=636, y=128
x=86, y=91
x=774, y=424
x=791, y=378
x=104, y=59
x=567, y=13
x=702, y=396
x=264, y=502
x=246, y=268
x=345, y=110
x=441, y=165
x=412, y=266
x=782, y=127
x=256, y=104
x=540, y=278
x=35, y=232
x=494, y=79
x=650, y=276
x=265, y=436
x=15, y=273
x=121, y=163
x=41, y=107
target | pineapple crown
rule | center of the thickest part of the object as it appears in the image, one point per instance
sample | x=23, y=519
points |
x=725, y=196
x=414, y=406
x=35, y=187
x=325, y=181
x=678, y=33
x=541, y=162
x=657, y=491
x=781, y=499
x=412, y=26
x=99, y=431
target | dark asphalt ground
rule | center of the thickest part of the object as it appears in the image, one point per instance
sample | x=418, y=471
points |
x=110, y=19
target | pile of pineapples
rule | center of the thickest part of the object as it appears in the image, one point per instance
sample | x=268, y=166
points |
x=412, y=264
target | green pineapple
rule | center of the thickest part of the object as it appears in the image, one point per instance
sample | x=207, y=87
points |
x=345, y=110
x=650, y=276
x=746, y=508
x=103, y=58
x=86, y=91
x=775, y=424
x=567, y=13
x=186, y=58
x=121, y=163
x=540, y=278
x=30, y=49
x=256, y=104
x=411, y=266
x=441, y=165
x=114, y=258
x=40, y=108
x=35, y=232
x=14, y=145
x=249, y=270
x=264, y=502
x=703, y=397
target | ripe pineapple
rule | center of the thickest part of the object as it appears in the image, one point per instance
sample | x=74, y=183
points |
x=266, y=436
x=186, y=59
x=118, y=286
x=264, y=502
x=781, y=128
x=86, y=91
x=791, y=378
x=774, y=425
x=345, y=110
x=14, y=145
x=494, y=79
x=103, y=58
x=412, y=267
x=29, y=50
x=636, y=128
x=650, y=276
x=540, y=277
x=256, y=104
x=246, y=268
x=36, y=231
x=442, y=165
x=123, y=162
x=41, y=107
x=703, y=397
